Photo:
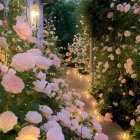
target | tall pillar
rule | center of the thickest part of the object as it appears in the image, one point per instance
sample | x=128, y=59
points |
x=91, y=58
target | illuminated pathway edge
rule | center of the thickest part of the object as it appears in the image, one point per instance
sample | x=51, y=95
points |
x=81, y=84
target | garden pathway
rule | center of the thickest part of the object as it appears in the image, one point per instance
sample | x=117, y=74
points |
x=81, y=85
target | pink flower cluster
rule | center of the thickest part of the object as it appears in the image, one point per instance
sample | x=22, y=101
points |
x=23, y=29
x=12, y=83
x=33, y=58
x=127, y=7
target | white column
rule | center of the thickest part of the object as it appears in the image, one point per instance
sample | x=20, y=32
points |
x=41, y=20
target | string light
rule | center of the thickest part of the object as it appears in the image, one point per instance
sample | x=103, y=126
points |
x=80, y=77
x=87, y=96
x=75, y=73
x=95, y=112
x=94, y=103
x=98, y=118
x=125, y=136
x=68, y=72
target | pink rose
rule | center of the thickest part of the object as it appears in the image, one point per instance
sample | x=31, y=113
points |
x=101, y=136
x=1, y=7
x=138, y=38
x=128, y=66
x=22, y=28
x=7, y=121
x=23, y=62
x=118, y=51
x=97, y=126
x=127, y=33
x=123, y=81
x=44, y=42
x=106, y=65
x=68, y=60
x=54, y=86
x=26, y=137
x=12, y=83
x=120, y=7
x=55, y=134
x=55, y=60
x=127, y=8
x=33, y=117
x=47, y=111
x=39, y=85
x=43, y=62
x=41, y=76
x=136, y=11
x=132, y=122
x=109, y=49
x=68, y=54
x=111, y=56
x=3, y=42
x=131, y=93
x=51, y=124
x=32, y=39
x=34, y=52
x=110, y=15
x=29, y=130
x=108, y=117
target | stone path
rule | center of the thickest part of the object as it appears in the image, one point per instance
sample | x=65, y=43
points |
x=81, y=85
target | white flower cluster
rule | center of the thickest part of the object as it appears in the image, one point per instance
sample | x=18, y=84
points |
x=79, y=52
x=49, y=34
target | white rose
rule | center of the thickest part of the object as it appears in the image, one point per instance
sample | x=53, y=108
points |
x=33, y=117
x=51, y=124
x=39, y=85
x=55, y=134
x=47, y=111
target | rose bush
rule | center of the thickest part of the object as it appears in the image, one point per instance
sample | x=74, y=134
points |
x=114, y=27
x=41, y=110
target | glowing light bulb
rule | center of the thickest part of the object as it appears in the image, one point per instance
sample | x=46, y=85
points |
x=126, y=136
x=94, y=103
x=87, y=96
x=68, y=72
x=95, y=112
x=98, y=118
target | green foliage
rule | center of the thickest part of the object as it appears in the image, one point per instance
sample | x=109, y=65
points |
x=95, y=17
x=15, y=44
x=65, y=20
x=120, y=99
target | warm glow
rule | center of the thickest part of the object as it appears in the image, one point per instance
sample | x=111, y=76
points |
x=35, y=12
x=125, y=136
x=96, y=112
x=68, y=72
x=87, y=96
x=94, y=103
